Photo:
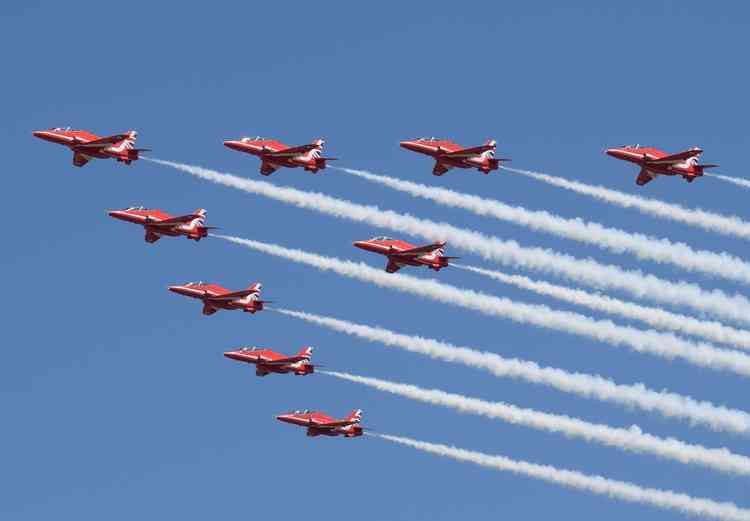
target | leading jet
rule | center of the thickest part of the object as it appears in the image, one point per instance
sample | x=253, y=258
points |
x=87, y=146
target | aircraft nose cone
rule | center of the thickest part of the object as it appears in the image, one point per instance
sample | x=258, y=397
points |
x=37, y=133
x=230, y=354
x=614, y=152
x=175, y=289
x=360, y=244
x=409, y=145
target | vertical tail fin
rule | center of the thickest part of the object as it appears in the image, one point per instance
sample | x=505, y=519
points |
x=305, y=352
x=256, y=287
x=355, y=416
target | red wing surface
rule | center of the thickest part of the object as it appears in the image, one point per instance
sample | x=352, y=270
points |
x=174, y=220
x=643, y=177
x=103, y=142
x=291, y=151
x=79, y=159
x=675, y=158
x=392, y=267
x=440, y=168
x=421, y=250
x=468, y=152
x=233, y=295
x=267, y=168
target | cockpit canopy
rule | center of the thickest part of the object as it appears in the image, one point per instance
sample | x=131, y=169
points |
x=428, y=139
x=248, y=349
x=302, y=411
x=61, y=129
x=136, y=208
x=631, y=146
x=199, y=283
x=382, y=238
x=256, y=138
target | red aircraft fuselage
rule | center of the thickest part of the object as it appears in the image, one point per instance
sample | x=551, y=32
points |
x=87, y=146
x=267, y=361
x=274, y=154
x=449, y=155
x=319, y=424
x=401, y=253
x=158, y=224
x=655, y=162
x=215, y=297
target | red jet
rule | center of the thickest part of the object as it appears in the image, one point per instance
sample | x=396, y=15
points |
x=267, y=361
x=158, y=224
x=401, y=253
x=274, y=154
x=319, y=424
x=654, y=162
x=449, y=155
x=86, y=146
x=215, y=297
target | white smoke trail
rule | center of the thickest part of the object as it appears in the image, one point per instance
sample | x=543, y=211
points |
x=622, y=490
x=659, y=344
x=745, y=183
x=612, y=239
x=631, y=439
x=726, y=225
x=585, y=271
x=656, y=317
x=668, y=404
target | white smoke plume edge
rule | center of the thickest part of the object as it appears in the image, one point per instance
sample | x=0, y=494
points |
x=725, y=225
x=632, y=439
x=621, y=490
x=584, y=271
x=655, y=317
x=665, y=403
x=745, y=183
x=612, y=239
x=664, y=345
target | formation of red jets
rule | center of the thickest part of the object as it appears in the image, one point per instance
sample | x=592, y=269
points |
x=273, y=155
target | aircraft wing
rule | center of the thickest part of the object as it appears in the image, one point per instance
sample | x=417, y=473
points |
x=79, y=159
x=392, y=266
x=643, y=177
x=102, y=142
x=420, y=250
x=291, y=151
x=233, y=295
x=174, y=220
x=468, y=152
x=267, y=168
x=440, y=168
x=676, y=158
x=282, y=361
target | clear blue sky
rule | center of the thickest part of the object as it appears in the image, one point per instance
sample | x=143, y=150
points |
x=116, y=400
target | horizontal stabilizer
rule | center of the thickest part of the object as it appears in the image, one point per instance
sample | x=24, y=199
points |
x=709, y=165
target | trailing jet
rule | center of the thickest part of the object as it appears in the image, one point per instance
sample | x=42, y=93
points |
x=267, y=361
x=87, y=146
x=158, y=224
x=401, y=253
x=654, y=162
x=274, y=154
x=215, y=297
x=449, y=155
x=319, y=424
